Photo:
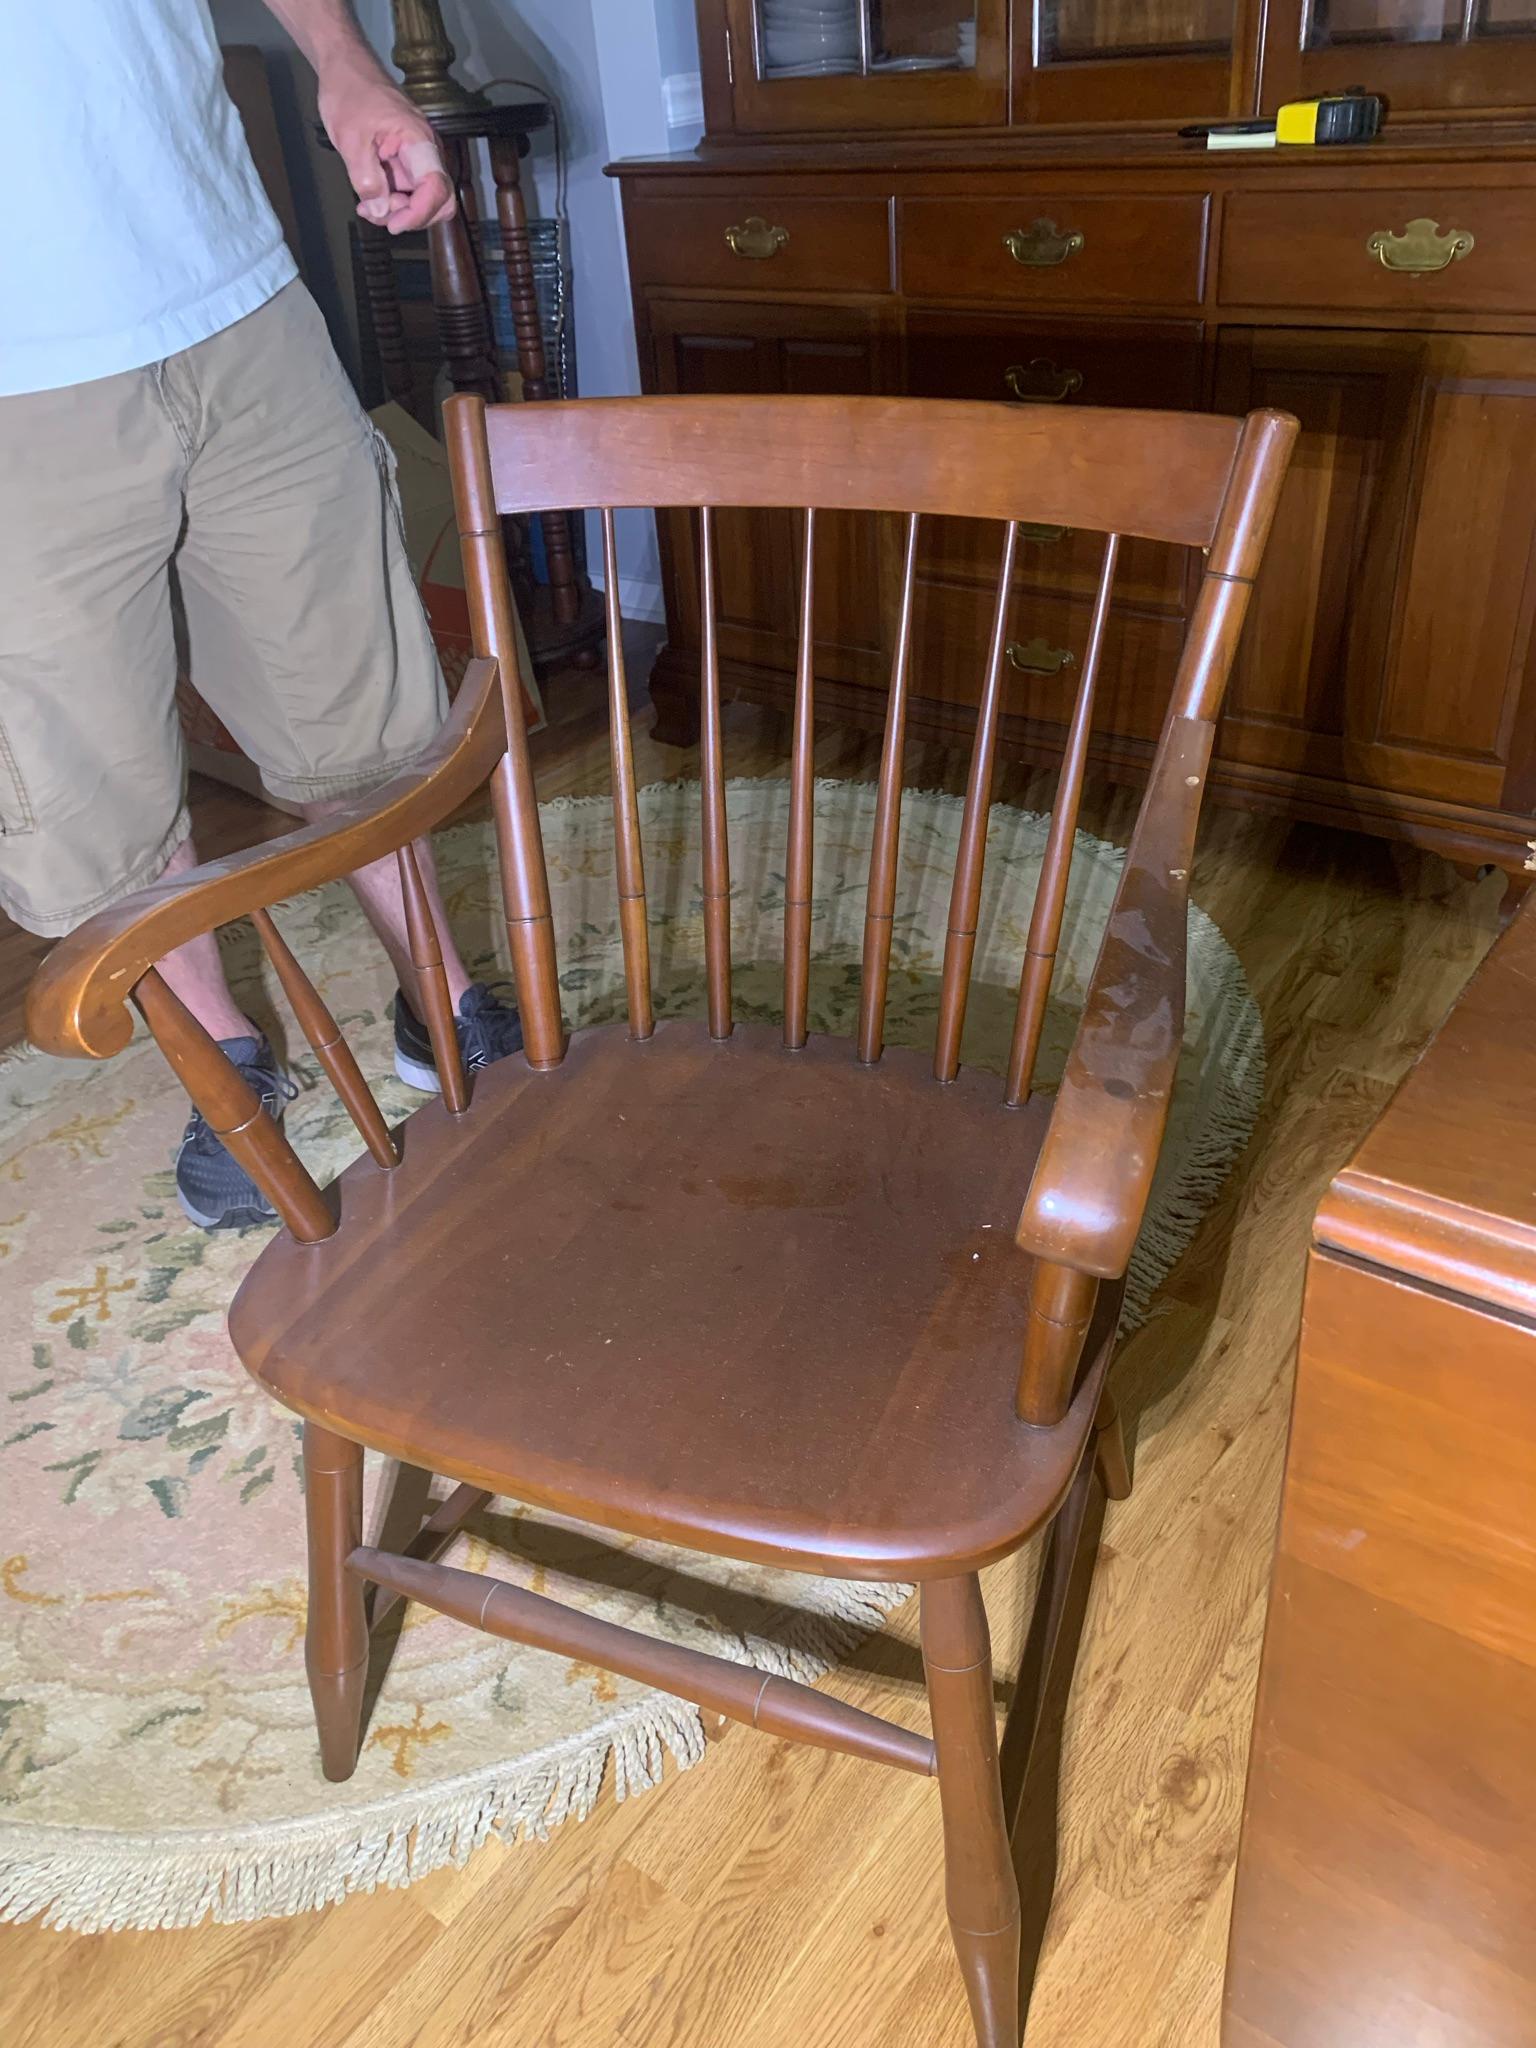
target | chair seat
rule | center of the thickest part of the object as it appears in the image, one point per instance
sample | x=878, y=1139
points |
x=759, y=1302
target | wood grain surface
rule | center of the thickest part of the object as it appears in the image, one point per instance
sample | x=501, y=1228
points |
x=653, y=1924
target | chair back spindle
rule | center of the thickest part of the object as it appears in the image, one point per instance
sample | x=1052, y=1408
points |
x=432, y=982
x=880, y=903
x=514, y=802
x=971, y=854
x=234, y=1110
x=799, y=866
x=717, y=856
x=1056, y=863
x=327, y=1044
x=629, y=860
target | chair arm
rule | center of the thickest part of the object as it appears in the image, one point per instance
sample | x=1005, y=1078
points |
x=1089, y=1191
x=77, y=1004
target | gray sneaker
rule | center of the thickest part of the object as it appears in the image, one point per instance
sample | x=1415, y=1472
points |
x=214, y=1189
x=488, y=1026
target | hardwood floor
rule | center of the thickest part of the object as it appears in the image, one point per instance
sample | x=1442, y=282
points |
x=775, y=1896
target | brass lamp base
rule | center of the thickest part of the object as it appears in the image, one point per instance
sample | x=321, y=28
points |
x=423, y=55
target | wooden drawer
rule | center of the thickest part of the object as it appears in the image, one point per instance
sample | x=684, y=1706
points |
x=761, y=244
x=1132, y=251
x=1091, y=362
x=1297, y=249
x=1047, y=636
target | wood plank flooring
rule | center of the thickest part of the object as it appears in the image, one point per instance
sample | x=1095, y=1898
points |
x=776, y=1896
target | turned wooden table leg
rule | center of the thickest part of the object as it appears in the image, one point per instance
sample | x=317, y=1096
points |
x=378, y=268
x=458, y=294
x=336, y=1631
x=980, y=1887
x=511, y=213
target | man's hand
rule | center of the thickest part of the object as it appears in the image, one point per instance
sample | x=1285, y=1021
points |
x=391, y=154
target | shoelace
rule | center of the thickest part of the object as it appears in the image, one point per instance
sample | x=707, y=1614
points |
x=270, y=1087
x=490, y=1025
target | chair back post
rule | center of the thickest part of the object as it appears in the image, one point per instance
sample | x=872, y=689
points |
x=520, y=845
x=1231, y=565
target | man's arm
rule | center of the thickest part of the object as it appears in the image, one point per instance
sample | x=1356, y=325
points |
x=388, y=147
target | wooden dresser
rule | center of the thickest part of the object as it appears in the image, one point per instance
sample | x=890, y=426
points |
x=1024, y=225
x=1386, y=1888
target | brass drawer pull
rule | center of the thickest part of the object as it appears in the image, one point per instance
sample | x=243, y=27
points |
x=1042, y=244
x=1037, y=659
x=753, y=238
x=1420, y=247
x=1047, y=536
x=1041, y=382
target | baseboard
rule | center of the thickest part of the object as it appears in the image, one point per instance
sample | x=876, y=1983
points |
x=682, y=99
x=639, y=598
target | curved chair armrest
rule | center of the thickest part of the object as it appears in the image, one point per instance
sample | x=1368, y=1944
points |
x=77, y=1004
x=1090, y=1185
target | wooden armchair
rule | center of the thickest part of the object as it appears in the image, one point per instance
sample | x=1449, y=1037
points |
x=740, y=1289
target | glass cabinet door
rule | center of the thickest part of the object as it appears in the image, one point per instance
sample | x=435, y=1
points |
x=864, y=38
x=1415, y=21
x=1128, y=61
x=1426, y=56
x=805, y=64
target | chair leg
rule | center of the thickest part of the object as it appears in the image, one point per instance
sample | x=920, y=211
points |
x=981, y=1890
x=336, y=1634
x=1109, y=1458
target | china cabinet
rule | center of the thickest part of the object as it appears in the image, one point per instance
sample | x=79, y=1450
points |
x=971, y=198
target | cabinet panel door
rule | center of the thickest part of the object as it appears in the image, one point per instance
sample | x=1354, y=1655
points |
x=1390, y=636
x=716, y=347
x=1020, y=357
x=1047, y=637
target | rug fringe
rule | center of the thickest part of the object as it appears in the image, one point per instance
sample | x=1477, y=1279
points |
x=162, y=1883
x=1179, y=1205
x=299, y=1866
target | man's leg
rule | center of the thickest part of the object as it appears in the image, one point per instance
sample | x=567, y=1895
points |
x=195, y=971
x=91, y=761
x=377, y=889
x=305, y=630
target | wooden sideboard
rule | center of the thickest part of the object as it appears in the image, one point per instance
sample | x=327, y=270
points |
x=1386, y=1887
x=1386, y=679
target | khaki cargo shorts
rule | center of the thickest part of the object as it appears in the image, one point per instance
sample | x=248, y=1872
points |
x=245, y=469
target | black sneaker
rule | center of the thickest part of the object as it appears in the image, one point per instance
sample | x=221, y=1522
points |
x=214, y=1189
x=488, y=1028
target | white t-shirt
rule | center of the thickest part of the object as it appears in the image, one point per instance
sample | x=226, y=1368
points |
x=134, y=221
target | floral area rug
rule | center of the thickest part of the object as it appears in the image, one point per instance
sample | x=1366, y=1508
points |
x=157, y=1756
